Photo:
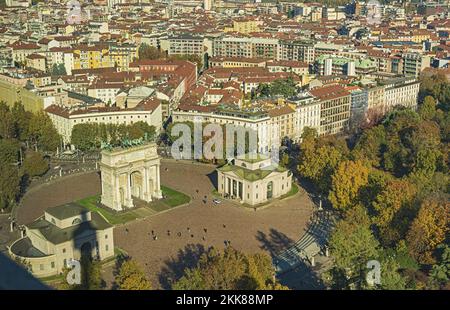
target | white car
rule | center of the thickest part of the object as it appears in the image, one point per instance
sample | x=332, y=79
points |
x=216, y=201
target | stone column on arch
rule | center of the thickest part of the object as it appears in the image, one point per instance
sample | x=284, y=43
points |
x=128, y=199
x=158, y=192
x=147, y=195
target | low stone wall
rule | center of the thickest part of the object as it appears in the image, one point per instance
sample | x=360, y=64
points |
x=38, y=266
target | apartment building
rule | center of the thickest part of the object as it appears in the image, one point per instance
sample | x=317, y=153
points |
x=307, y=110
x=121, y=56
x=282, y=120
x=297, y=50
x=248, y=47
x=257, y=120
x=330, y=65
x=149, y=111
x=185, y=44
x=244, y=26
x=335, y=104
x=91, y=57
x=401, y=92
x=414, y=63
x=20, y=51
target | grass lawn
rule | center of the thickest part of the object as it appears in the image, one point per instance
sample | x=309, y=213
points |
x=173, y=199
x=114, y=218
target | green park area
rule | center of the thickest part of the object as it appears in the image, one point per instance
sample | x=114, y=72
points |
x=171, y=198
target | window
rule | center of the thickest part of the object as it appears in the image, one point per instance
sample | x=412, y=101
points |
x=106, y=236
x=106, y=248
x=64, y=250
x=76, y=221
x=41, y=267
x=53, y=265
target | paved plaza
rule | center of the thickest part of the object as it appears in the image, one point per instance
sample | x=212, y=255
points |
x=184, y=232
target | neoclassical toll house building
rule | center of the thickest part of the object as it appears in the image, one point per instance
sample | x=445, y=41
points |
x=63, y=233
x=253, y=180
x=130, y=172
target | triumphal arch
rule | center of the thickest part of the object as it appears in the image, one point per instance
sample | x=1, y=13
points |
x=130, y=172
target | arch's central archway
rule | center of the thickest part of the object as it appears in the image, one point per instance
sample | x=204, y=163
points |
x=136, y=183
x=130, y=172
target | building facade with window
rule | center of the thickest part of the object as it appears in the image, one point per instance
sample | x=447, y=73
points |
x=149, y=111
x=63, y=233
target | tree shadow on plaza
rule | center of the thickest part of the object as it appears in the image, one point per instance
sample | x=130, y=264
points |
x=274, y=242
x=213, y=178
x=174, y=267
x=302, y=277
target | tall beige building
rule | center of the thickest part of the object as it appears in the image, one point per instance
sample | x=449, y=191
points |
x=335, y=104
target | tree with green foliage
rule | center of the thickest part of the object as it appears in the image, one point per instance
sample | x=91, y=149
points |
x=347, y=181
x=279, y=87
x=9, y=183
x=427, y=110
x=440, y=272
x=140, y=129
x=370, y=145
x=35, y=164
x=7, y=125
x=91, y=278
x=22, y=121
x=131, y=277
x=391, y=278
x=58, y=70
x=318, y=165
x=190, y=57
x=9, y=151
x=438, y=87
x=43, y=133
x=229, y=270
x=84, y=137
x=146, y=51
x=89, y=136
x=352, y=245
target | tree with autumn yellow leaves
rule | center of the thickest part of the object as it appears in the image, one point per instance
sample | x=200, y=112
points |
x=317, y=160
x=346, y=182
x=428, y=229
x=395, y=209
x=131, y=277
x=230, y=269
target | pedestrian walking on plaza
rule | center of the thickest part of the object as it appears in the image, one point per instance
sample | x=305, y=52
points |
x=155, y=238
x=153, y=232
x=203, y=238
x=188, y=229
x=179, y=234
x=126, y=230
x=168, y=232
x=205, y=230
x=224, y=226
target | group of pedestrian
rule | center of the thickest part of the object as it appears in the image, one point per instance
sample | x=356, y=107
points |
x=179, y=234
